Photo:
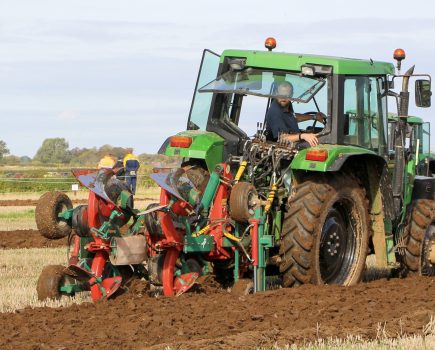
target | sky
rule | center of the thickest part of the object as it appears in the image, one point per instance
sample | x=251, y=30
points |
x=123, y=72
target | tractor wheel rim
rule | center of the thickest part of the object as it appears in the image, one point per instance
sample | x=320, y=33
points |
x=60, y=208
x=337, y=245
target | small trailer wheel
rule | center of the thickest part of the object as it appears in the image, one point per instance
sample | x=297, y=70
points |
x=50, y=280
x=243, y=200
x=49, y=206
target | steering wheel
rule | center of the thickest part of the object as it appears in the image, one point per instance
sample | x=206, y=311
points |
x=315, y=120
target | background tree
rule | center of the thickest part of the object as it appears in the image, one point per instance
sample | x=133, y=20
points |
x=11, y=160
x=53, y=151
x=25, y=160
x=117, y=152
x=3, y=149
x=84, y=156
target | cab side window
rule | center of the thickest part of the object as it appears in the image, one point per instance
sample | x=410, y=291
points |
x=365, y=113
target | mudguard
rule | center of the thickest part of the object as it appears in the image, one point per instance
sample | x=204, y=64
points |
x=336, y=156
x=205, y=145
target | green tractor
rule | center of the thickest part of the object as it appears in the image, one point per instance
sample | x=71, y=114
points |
x=322, y=209
x=258, y=212
x=418, y=141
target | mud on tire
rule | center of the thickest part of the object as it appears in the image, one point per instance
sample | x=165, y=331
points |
x=325, y=232
x=420, y=234
x=50, y=281
x=46, y=215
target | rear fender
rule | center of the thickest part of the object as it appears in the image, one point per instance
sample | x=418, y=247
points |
x=337, y=156
x=207, y=146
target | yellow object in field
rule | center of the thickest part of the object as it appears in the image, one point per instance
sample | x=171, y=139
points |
x=107, y=162
x=129, y=156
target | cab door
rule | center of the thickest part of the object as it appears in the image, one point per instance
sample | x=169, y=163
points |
x=201, y=102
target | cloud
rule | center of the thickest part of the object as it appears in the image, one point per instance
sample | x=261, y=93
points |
x=136, y=78
x=67, y=115
x=59, y=41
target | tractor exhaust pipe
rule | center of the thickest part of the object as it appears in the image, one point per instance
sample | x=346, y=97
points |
x=399, y=145
x=404, y=94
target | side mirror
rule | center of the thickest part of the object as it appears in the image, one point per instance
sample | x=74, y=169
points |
x=422, y=93
x=388, y=85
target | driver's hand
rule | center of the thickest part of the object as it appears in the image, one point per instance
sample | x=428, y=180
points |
x=310, y=138
x=321, y=117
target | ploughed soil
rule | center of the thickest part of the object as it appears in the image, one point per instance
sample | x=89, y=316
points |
x=216, y=319
x=28, y=239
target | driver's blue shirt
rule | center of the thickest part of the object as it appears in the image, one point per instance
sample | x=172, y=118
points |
x=279, y=120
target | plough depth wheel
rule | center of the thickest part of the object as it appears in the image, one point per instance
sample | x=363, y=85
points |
x=242, y=201
x=50, y=280
x=47, y=211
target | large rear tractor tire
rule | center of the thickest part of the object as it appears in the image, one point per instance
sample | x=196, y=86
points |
x=49, y=206
x=325, y=233
x=50, y=280
x=420, y=238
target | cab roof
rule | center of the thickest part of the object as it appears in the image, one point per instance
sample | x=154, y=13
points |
x=294, y=61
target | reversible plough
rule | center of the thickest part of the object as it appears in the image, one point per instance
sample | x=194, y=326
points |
x=205, y=223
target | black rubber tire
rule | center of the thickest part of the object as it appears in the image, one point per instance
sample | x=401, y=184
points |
x=152, y=222
x=420, y=234
x=194, y=266
x=334, y=206
x=46, y=215
x=241, y=198
x=50, y=281
x=79, y=221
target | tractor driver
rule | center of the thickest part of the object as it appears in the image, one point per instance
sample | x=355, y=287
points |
x=280, y=118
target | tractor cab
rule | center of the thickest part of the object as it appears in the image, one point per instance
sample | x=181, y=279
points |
x=234, y=91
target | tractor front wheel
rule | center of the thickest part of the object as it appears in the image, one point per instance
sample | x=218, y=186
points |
x=50, y=280
x=325, y=233
x=47, y=211
x=420, y=241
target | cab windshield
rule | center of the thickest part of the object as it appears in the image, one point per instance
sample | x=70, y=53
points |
x=264, y=83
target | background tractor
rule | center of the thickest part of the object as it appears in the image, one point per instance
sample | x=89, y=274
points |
x=256, y=212
x=418, y=135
